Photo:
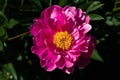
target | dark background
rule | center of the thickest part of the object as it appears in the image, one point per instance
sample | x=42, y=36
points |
x=18, y=63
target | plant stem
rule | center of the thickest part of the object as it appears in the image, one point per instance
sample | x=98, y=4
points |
x=18, y=36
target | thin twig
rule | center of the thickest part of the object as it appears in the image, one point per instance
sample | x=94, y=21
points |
x=18, y=36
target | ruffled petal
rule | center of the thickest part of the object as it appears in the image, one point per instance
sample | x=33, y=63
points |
x=43, y=63
x=70, y=12
x=91, y=47
x=53, y=58
x=82, y=62
x=69, y=63
x=53, y=13
x=42, y=54
x=87, y=20
x=75, y=34
x=74, y=52
x=61, y=63
x=84, y=47
x=50, y=67
x=69, y=70
x=34, y=29
x=86, y=28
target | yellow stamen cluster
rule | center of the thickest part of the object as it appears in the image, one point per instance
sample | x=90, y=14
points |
x=62, y=40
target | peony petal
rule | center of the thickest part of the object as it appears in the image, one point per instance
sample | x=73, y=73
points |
x=82, y=62
x=79, y=12
x=75, y=34
x=61, y=63
x=69, y=70
x=85, y=45
x=69, y=26
x=69, y=64
x=48, y=11
x=74, y=52
x=34, y=29
x=43, y=63
x=87, y=20
x=43, y=53
x=53, y=58
x=73, y=57
x=91, y=47
x=50, y=67
x=70, y=12
x=85, y=28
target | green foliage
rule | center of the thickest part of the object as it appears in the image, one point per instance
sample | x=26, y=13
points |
x=94, y=6
x=3, y=5
x=3, y=15
x=1, y=46
x=3, y=33
x=62, y=2
x=96, y=56
x=95, y=17
x=37, y=3
x=8, y=72
x=17, y=61
x=11, y=23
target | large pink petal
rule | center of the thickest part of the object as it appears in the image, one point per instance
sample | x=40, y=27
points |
x=61, y=63
x=80, y=17
x=87, y=20
x=43, y=53
x=34, y=29
x=47, y=12
x=69, y=26
x=86, y=28
x=91, y=47
x=50, y=67
x=82, y=62
x=69, y=70
x=73, y=57
x=43, y=63
x=70, y=12
x=69, y=63
x=75, y=34
x=78, y=35
x=74, y=52
x=84, y=47
x=55, y=13
x=53, y=58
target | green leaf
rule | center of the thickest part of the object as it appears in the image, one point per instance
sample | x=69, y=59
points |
x=95, y=55
x=2, y=77
x=94, y=6
x=1, y=46
x=77, y=1
x=9, y=68
x=38, y=3
x=115, y=21
x=3, y=15
x=62, y=2
x=109, y=21
x=3, y=33
x=4, y=5
x=11, y=23
x=21, y=3
x=95, y=17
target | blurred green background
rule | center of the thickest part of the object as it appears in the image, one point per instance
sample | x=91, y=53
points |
x=18, y=63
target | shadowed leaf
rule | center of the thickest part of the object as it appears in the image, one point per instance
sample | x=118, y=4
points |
x=96, y=56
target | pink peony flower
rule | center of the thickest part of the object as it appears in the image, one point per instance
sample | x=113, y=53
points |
x=60, y=40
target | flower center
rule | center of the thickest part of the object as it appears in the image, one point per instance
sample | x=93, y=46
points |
x=62, y=40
